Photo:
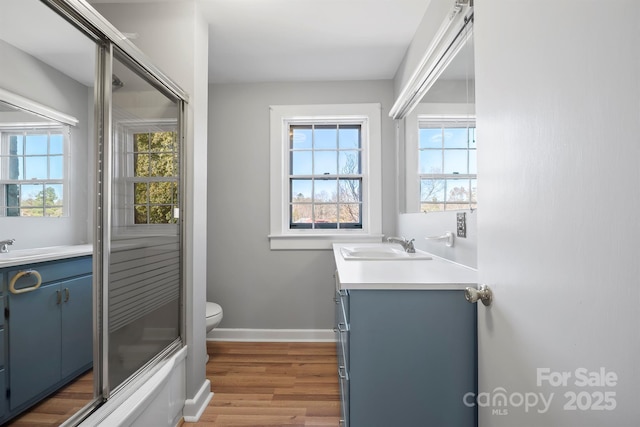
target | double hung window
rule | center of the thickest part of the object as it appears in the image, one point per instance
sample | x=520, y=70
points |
x=149, y=174
x=447, y=164
x=32, y=171
x=325, y=179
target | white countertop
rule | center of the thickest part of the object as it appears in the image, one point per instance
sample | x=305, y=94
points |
x=30, y=256
x=435, y=274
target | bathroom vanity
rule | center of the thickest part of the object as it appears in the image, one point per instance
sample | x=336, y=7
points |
x=406, y=341
x=46, y=330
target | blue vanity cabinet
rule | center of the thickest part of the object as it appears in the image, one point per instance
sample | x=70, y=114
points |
x=342, y=350
x=3, y=357
x=408, y=358
x=50, y=329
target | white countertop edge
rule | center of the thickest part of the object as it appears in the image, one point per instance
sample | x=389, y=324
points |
x=407, y=286
x=435, y=274
x=35, y=255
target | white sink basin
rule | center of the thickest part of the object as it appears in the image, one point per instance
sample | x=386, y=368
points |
x=380, y=253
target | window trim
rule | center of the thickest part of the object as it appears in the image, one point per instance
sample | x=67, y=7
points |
x=429, y=111
x=122, y=220
x=281, y=237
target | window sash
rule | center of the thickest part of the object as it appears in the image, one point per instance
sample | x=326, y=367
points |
x=447, y=198
x=132, y=211
x=338, y=209
x=55, y=163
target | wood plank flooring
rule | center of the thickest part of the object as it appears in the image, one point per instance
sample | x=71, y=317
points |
x=255, y=384
x=61, y=405
x=272, y=384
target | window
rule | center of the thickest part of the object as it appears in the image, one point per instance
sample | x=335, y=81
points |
x=447, y=164
x=32, y=171
x=148, y=174
x=440, y=158
x=325, y=176
x=325, y=180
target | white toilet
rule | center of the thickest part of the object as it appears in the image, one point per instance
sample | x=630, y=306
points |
x=214, y=316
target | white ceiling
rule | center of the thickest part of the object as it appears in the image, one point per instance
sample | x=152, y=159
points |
x=306, y=40
x=256, y=40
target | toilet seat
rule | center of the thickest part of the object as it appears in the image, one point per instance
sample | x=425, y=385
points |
x=213, y=309
x=214, y=316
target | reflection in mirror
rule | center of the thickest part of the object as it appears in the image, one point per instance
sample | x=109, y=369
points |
x=47, y=72
x=440, y=144
x=33, y=159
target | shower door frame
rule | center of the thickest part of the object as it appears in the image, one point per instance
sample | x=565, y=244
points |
x=88, y=21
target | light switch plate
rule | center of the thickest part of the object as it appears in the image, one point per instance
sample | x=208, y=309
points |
x=461, y=225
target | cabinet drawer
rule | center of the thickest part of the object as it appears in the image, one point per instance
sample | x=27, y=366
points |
x=344, y=402
x=344, y=304
x=51, y=271
x=2, y=349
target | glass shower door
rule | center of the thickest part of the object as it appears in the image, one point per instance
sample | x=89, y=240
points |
x=144, y=273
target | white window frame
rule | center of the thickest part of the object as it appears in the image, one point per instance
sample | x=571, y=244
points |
x=123, y=222
x=432, y=111
x=8, y=128
x=282, y=237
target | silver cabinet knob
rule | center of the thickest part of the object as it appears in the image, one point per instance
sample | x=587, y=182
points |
x=483, y=294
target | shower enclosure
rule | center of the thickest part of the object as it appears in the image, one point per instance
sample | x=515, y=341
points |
x=129, y=144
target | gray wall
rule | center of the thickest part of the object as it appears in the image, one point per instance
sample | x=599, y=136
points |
x=420, y=225
x=256, y=287
x=37, y=81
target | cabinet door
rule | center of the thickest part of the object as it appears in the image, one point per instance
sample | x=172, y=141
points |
x=34, y=343
x=412, y=358
x=77, y=325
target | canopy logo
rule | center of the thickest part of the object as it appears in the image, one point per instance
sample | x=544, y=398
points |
x=586, y=391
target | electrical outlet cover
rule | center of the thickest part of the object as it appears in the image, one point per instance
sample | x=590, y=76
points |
x=461, y=226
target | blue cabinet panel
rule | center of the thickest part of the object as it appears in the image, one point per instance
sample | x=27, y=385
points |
x=34, y=343
x=411, y=357
x=77, y=325
x=48, y=331
x=3, y=388
x=52, y=271
x=2, y=360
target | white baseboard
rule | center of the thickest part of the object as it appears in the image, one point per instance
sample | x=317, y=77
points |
x=272, y=335
x=193, y=408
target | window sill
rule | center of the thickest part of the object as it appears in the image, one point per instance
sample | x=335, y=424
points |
x=320, y=241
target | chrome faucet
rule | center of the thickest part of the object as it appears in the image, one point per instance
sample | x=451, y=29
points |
x=407, y=245
x=4, y=245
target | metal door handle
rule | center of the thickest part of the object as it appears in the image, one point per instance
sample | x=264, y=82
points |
x=342, y=372
x=483, y=294
x=66, y=294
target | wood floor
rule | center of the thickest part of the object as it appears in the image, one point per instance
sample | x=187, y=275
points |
x=61, y=405
x=272, y=384
x=255, y=384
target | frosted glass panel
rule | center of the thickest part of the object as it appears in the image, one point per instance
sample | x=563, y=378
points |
x=145, y=260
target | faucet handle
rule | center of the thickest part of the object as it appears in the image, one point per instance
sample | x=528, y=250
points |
x=4, y=245
x=410, y=248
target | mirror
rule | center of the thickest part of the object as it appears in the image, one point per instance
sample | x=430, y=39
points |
x=47, y=72
x=33, y=158
x=440, y=146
